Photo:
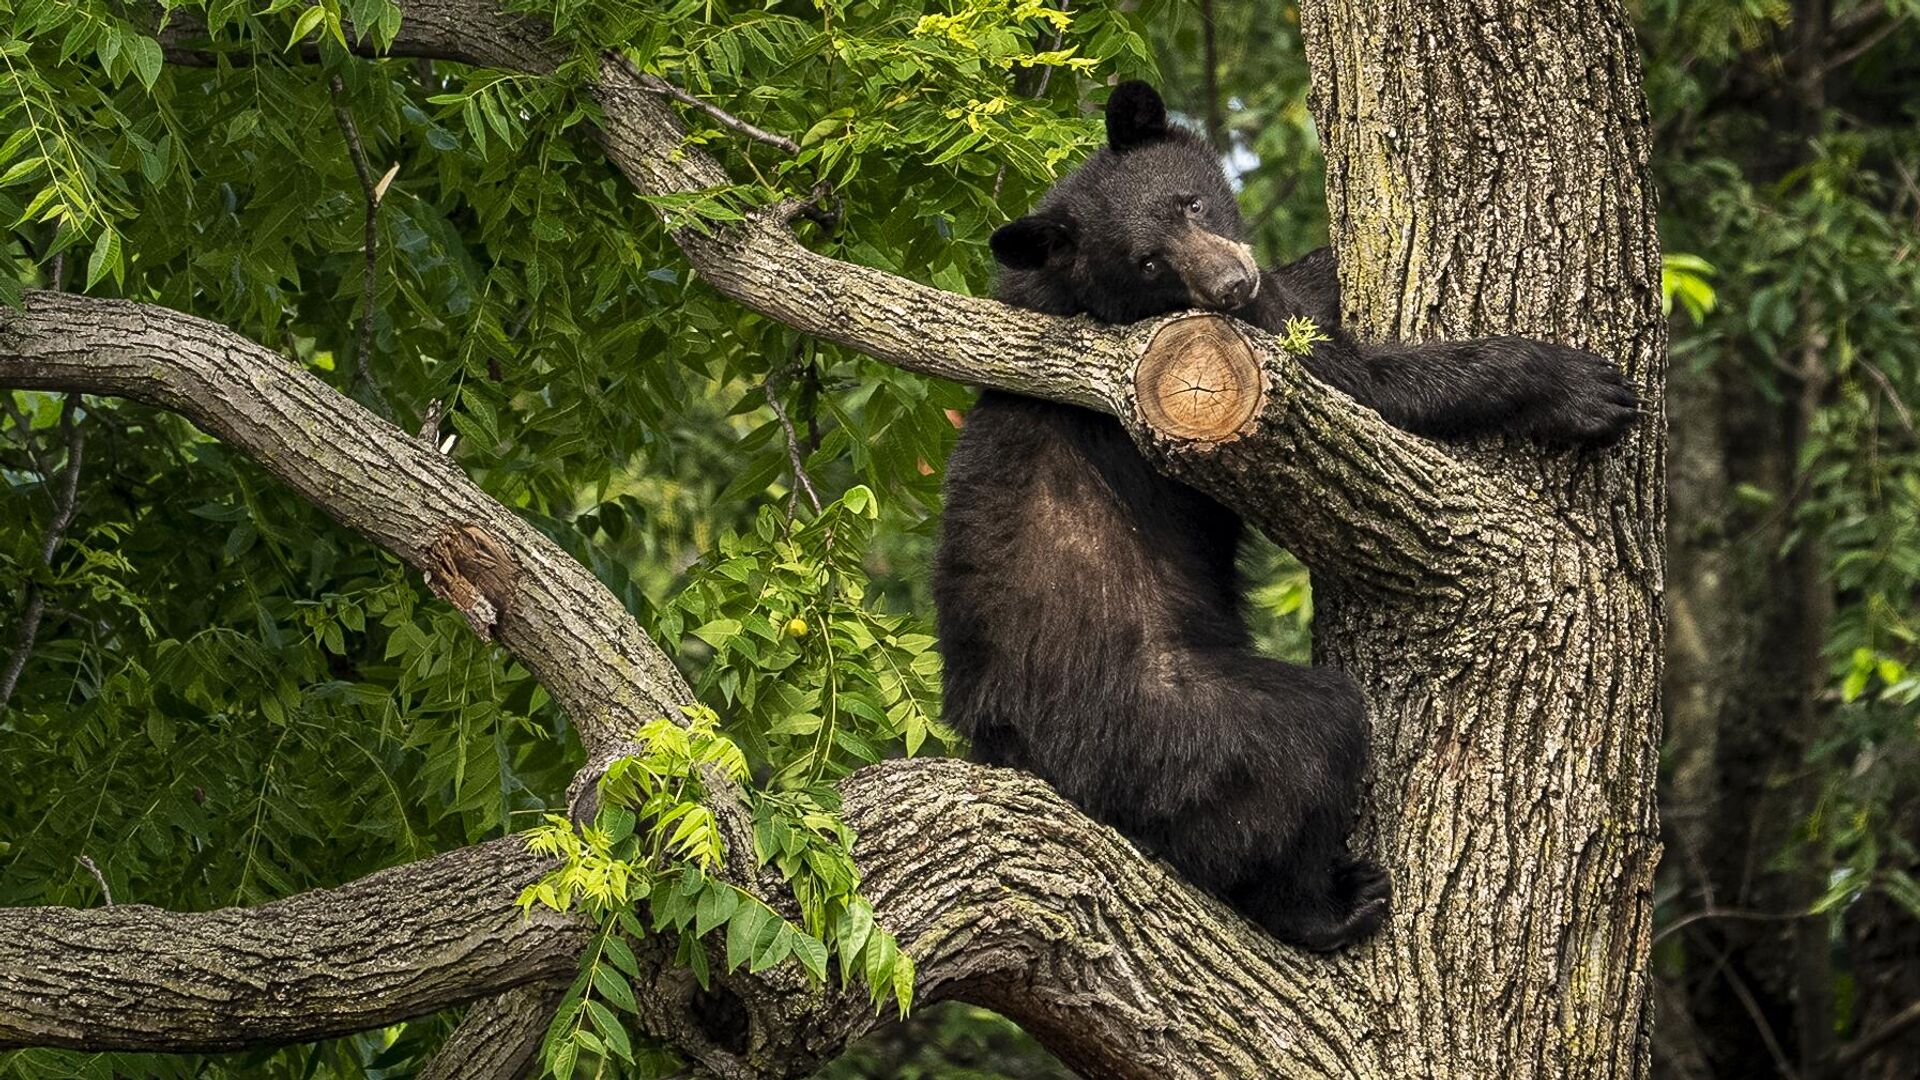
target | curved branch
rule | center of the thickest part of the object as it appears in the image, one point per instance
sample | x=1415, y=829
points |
x=1008, y=897
x=1002, y=892
x=1347, y=493
x=511, y=582
x=402, y=943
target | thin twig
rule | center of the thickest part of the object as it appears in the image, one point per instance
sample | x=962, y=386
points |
x=720, y=116
x=1040, y=90
x=1046, y=70
x=1726, y=913
x=1854, y=21
x=370, y=279
x=1899, y=407
x=771, y=388
x=1210, y=52
x=105, y=892
x=1865, y=1044
x=1912, y=188
x=70, y=478
x=65, y=509
x=1860, y=47
x=1759, y=1019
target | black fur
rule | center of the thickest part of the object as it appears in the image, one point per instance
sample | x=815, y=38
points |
x=1089, y=608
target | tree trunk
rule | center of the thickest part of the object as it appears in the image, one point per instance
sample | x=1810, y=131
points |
x=1487, y=174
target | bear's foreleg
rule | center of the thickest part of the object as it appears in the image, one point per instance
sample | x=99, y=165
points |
x=1499, y=385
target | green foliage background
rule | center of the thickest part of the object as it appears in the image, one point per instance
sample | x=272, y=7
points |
x=232, y=699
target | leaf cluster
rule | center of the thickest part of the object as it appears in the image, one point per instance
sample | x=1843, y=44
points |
x=656, y=845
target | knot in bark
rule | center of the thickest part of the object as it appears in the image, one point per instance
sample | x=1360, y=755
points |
x=471, y=570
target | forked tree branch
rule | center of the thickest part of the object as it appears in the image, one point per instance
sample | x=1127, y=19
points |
x=1006, y=895
x=1002, y=892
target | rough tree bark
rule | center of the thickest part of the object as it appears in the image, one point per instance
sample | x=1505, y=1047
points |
x=1501, y=609
x=1487, y=172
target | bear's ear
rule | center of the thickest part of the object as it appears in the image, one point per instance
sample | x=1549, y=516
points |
x=1032, y=242
x=1135, y=116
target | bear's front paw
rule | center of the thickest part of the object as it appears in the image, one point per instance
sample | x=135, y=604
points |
x=1590, y=404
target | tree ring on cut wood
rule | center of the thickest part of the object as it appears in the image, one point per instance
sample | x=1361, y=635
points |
x=1198, y=380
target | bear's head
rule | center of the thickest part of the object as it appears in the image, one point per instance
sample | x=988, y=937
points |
x=1147, y=226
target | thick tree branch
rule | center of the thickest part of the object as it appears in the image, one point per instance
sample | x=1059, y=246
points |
x=404, y=942
x=511, y=582
x=499, y=1038
x=1008, y=897
x=1345, y=492
x=1004, y=894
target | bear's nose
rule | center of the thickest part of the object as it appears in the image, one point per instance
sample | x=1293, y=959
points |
x=1233, y=288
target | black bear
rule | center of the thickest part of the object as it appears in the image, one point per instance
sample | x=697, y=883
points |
x=1089, y=608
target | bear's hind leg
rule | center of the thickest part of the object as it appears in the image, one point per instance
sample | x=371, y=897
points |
x=1320, y=907
x=1360, y=880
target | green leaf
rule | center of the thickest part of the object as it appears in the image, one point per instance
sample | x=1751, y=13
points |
x=718, y=632
x=812, y=954
x=881, y=954
x=697, y=961
x=856, y=922
x=1855, y=684
x=717, y=905
x=742, y=931
x=24, y=167
x=610, y=1029
x=771, y=945
x=617, y=950
x=105, y=257
x=147, y=58
x=305, y=24
x=903, y=980
x=618, y=821
x=610, y=984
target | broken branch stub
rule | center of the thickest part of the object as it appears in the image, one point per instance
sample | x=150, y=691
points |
x=1199, y=381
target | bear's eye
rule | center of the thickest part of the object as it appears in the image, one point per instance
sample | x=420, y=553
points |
x=1150, y=266
x=1196, y=204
